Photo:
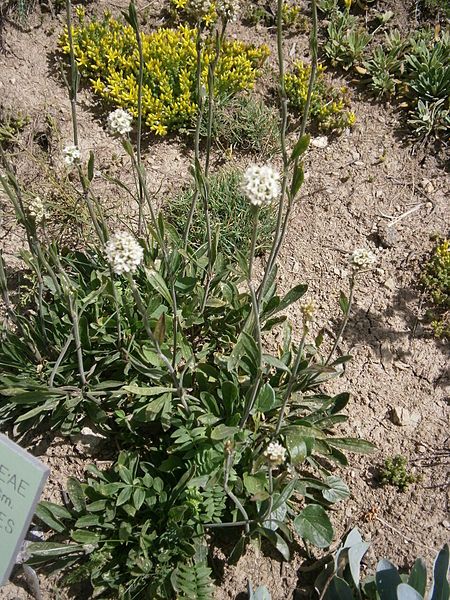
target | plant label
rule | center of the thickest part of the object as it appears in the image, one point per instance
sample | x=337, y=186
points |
x=22, y=478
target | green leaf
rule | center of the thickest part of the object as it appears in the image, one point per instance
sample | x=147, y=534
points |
x=245, y=346
x=90, y=168
x=125, y=495
x=222, y=432
x=237, y=551
x=406, y=592
x=387, y=579
x=160, y=329
x=265, y=400
x=298, y=444
x=301, y=146
x=313, y=525
x=87, y=521
x=338, y=590
x=292, y=296
x=158, y=283
x=52, y=549
x=276, y=540
x=338, y=489
x=255, y=484
x=352, y=445
x=297, y=180
x=441, y=589
x=76, y=494
x=56, y=509
x=343, y=303
x=52, y=521
x=147, y=391
x=261, y=593
x=125, y=531
x=84, y=537
x=418, y=576
x=355, y=555
x=138, y=497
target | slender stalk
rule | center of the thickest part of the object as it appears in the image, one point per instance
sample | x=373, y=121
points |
x=73, y=86
x=200, y=103
x=291, y=382
x=233, y=524
x=344, y=320
x=312, y=78
x=283, y=216
x=231, y=495
x=139, y=123
x=257, y=329
x=76, y=337
x=59, y=360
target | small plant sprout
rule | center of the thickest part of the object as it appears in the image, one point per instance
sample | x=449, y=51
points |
x=261, y=185
x=71, y=154
x=123, y=253
x=395, y=472
x=362, y=259
x=119, y=121
x=36, y=209
x=275, y=454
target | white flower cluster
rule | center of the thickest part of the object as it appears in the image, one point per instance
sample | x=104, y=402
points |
x=71, y=154
x=119, y=121
x=275, y=453
x=36, y=209
x=199, y=8
x=362, y=259
x=261, y=185
x=228, y=9
x=123, y=253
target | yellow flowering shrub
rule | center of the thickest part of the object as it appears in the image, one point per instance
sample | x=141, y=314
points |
x=106, y=52
x=329, y=105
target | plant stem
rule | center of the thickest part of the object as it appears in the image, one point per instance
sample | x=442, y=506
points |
x=291, y=382
x=200, y=103
x=139, y=123
x=73, y=86
x=76, y=337
x=257, y=328
x=344, y=320
x=283, y=220
x=231, y=495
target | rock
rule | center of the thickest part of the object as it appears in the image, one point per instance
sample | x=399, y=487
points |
x=387, y=236
x=88, y=441
x=320, y=142
x=390, y=284
x=446, y=524
x=427, y=185
x=402, y=417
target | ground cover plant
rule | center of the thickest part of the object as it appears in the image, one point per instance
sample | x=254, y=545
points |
x=436, y=283
x=228, y=209
x=328, y=105
x=107, y=53
x=157, y=339
x=412, y=70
